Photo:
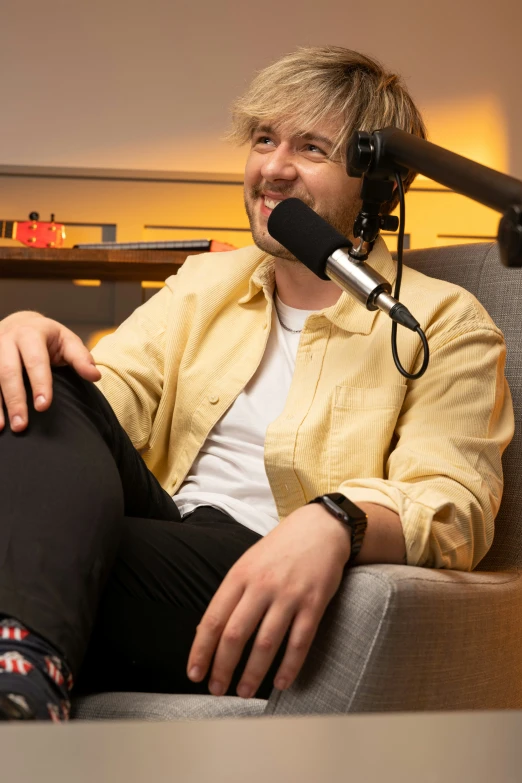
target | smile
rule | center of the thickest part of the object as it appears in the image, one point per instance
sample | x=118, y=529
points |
x=270, y=203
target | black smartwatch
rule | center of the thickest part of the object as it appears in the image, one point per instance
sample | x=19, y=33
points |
x=350, y=515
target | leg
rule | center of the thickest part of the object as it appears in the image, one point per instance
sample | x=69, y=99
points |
x=163, y=579
x=65, y=485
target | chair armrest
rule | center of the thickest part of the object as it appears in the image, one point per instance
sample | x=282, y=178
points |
x=406, y=638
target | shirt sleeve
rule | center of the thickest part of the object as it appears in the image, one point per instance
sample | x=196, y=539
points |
x=444, y=474
x=131, y=361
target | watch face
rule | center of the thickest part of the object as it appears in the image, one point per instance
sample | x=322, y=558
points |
x=349, y=508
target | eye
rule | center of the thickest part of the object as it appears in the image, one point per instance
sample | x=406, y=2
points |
x=315, y=150
x=262, y=141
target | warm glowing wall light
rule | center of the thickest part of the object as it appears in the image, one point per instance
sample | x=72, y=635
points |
x=475, y=127
x=152, y=284
x=87, y=283
x=472, y=126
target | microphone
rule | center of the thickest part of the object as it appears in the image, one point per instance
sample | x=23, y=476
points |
x=326, y=252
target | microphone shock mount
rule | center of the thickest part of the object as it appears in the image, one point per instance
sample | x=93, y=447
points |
x=374, y=193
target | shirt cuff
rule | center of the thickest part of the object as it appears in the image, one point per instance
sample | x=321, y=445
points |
x=417, y=516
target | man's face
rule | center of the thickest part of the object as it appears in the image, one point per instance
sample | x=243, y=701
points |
x=282, y=166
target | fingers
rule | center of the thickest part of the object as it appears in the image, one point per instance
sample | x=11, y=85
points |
x=226, y=628
x=77, y=355
x=13, y=388
x=34, y=356
x=211, y=627
x=268, y=640
x=301, y=638
x=238, y=630
x=36, y=343
x=274, y=626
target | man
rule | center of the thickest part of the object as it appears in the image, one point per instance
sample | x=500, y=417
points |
x=251, y=389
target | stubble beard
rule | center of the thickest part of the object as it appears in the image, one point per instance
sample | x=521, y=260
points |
x=341, y=219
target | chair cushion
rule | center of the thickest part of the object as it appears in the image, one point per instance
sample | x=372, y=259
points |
x=162, y=706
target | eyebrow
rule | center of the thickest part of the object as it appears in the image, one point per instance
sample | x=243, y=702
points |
x=316, y=137
x=263, y=129
x=309, y=136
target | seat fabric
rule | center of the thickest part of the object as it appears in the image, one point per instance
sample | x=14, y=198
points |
x=163, y=706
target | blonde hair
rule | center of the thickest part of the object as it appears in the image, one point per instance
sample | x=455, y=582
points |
x=322, y=84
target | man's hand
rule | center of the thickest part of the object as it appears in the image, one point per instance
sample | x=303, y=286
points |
x=32, y=341
x=284, y=582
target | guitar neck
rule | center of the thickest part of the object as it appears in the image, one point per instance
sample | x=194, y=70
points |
x=169, y=244
x=7, y=229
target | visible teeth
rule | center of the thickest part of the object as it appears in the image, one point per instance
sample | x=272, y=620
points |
x=270, y=203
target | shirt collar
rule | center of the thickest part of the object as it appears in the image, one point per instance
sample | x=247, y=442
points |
x=263, y=276
x=346, y=313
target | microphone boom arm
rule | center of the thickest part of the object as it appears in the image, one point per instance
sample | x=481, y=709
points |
x=378, y=155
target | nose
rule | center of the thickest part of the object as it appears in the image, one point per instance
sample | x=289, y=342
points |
x=279, y=164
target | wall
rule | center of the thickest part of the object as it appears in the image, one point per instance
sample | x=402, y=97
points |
x=113, y=84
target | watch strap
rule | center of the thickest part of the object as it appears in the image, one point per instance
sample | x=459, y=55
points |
x=349, y=515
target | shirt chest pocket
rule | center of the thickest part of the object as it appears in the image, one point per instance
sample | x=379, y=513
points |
x=362, y=426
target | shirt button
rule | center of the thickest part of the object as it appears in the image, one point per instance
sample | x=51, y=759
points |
x=265, y=325
x=213, y=398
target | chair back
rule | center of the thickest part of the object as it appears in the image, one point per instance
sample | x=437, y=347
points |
x=477, y=267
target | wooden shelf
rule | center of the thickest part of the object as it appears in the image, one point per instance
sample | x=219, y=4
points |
x=73, y=264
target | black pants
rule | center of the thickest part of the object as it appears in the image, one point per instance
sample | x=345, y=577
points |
x=94, y=556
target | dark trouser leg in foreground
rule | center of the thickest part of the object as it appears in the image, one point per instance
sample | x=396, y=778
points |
x=76, y=499
x=66, y=483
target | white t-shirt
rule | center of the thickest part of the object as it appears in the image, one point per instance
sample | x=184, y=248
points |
x=229, y=471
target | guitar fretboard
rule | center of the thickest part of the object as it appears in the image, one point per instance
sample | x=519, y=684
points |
x=169, y=244
x=6, y=229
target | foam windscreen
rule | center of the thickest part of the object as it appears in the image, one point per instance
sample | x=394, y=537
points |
x=305, y=234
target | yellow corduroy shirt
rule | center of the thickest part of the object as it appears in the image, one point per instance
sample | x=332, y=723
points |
x=428, y=449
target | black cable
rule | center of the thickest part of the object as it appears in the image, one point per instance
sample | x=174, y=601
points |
x=396, y=293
